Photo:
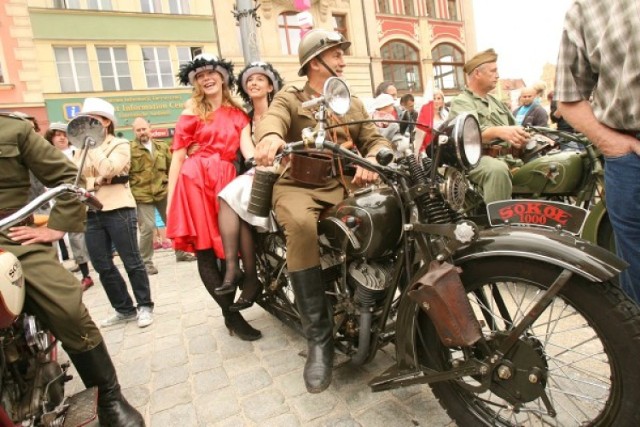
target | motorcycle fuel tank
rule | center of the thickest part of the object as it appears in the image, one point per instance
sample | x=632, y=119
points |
x=12, y=290
x=369, y=220
x=558, y=173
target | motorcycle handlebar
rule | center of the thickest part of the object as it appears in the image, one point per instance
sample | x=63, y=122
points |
x=46, y=197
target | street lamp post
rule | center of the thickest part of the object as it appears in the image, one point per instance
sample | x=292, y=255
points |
x=248, y=20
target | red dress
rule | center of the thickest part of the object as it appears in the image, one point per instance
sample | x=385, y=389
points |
x=192, y=222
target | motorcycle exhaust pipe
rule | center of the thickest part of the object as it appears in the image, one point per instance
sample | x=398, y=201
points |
x=364, y=337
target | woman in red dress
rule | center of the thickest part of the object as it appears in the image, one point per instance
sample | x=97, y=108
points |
x=208, y=135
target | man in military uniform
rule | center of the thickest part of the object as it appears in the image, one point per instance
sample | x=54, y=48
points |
x=496, y=123
x=149, y=178
x=321, y=55
x=53, y=294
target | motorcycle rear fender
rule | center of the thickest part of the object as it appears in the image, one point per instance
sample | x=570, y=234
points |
x=567, y=251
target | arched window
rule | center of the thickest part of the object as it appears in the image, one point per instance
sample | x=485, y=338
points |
x=289, y=32
x=401, y=65
x=448, y=74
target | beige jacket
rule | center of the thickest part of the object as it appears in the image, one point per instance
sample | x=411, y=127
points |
x=110, y=159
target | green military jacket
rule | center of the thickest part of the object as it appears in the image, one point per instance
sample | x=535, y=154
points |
x=286, y=118
x=23, y=150
x=149, y=173
x=488, y=110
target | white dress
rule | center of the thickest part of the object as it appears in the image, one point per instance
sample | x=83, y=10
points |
x=237, y=195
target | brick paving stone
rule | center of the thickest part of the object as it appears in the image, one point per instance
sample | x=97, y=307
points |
x=202, y=344
x=170, y=397
x=311, y=406
x=170, y=376
x=265, y=404
x=207, y=381
x=166, y=358
x=251, y=381
x=215, y=407
x=136, y=372
x=179, y=416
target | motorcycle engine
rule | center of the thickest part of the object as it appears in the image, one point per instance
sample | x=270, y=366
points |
x=370, y=279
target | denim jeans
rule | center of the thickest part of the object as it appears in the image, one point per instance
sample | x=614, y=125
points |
x=622, y=189
x=118, y=228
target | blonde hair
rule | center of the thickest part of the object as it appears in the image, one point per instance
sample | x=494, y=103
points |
x=203, y=108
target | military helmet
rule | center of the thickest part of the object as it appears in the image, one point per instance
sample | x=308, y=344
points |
x=315, y=42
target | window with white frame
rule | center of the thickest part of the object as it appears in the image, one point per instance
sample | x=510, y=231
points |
x=187, y=53
x=157, y=67
x=99, y=5
x=448, y=68
x=73, y=69
x=114, y=68
x=66, y=4
x=289, y=32
x=179, y=7
x=151, y=6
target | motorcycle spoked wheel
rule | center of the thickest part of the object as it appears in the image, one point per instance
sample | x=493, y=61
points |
x=585, y=343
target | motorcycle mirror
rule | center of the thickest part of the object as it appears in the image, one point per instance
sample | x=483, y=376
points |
x=337, y=95
x=85, y=132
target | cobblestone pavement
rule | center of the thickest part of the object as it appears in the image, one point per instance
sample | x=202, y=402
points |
x=186, y=370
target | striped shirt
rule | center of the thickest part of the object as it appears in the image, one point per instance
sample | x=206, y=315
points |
x=600, y=56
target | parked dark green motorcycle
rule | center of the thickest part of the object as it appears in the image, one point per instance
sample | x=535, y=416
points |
x=572, y=175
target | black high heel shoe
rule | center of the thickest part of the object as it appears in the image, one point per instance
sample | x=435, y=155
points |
x=236, y=324
x=244, y=303
x=228, y=287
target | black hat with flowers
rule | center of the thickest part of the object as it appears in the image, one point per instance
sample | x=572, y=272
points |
x=205, y=61
x=263, y=68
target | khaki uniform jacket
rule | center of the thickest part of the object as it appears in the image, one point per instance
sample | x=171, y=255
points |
x=488, y=110
x=23, y=150
x=111, y=158
x=149, y=173
x=286, y=118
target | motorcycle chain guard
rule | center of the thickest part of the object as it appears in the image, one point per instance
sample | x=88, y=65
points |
x=441, y=295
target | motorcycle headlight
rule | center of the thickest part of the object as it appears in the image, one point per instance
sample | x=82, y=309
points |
x=337, y=95
x=464, y=142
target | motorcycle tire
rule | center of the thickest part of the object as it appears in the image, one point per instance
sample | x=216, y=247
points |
x=584, y=347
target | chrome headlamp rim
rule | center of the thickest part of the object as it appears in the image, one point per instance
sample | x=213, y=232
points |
x=468, y=147
x=337, y=95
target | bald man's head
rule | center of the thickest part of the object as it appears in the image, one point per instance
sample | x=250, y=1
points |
x=527, y=95
x=142, y=130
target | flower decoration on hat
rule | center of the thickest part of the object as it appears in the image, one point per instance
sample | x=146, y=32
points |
x=263, y=68
x=205, y=61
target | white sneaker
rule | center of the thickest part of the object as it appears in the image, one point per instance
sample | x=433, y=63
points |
x=145, y=317
x=117, y=318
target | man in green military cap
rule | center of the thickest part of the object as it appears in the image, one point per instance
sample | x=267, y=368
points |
x=149, y=181
x=53, y=294
x=496, y=123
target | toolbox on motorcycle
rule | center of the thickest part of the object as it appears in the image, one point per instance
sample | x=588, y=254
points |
x=441, y=295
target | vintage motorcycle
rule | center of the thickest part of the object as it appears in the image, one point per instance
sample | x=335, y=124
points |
x=31, y=377
x=574, y=176
x=510, y=325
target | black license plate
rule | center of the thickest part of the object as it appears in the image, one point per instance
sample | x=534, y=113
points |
x=541, y=213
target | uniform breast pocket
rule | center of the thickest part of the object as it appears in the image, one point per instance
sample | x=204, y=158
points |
x=137, y=162
x=161, y=162
x=10, y=164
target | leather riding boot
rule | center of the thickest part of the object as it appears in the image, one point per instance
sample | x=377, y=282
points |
x=316, y=319
x=96, y=369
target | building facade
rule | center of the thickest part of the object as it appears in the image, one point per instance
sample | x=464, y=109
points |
x=55, y=53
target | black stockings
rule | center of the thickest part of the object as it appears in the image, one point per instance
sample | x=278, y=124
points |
x=237, y=237
x=210, y=276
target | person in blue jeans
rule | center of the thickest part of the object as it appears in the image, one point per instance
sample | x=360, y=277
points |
x=593, y=64
x=106, y=171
